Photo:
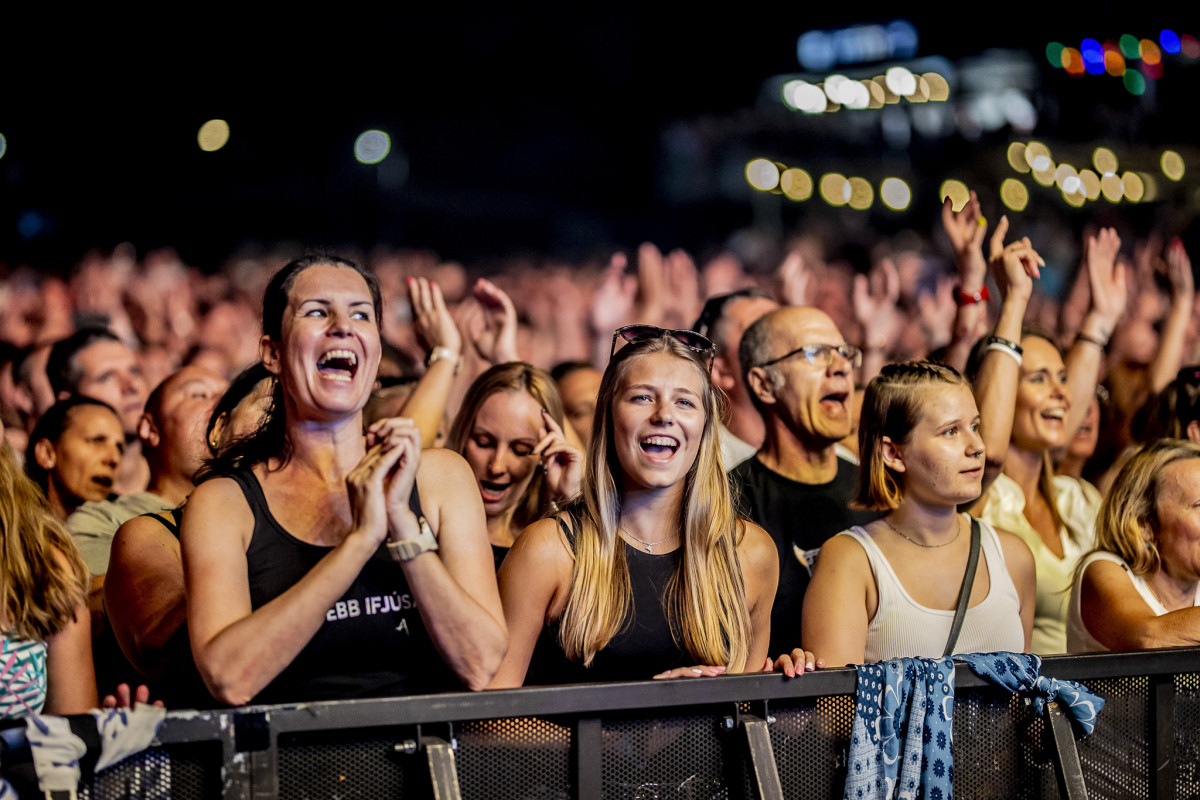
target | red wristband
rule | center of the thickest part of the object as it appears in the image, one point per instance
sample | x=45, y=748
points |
x=969, y=298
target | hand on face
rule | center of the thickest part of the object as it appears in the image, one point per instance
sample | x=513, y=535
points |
x=562, y=463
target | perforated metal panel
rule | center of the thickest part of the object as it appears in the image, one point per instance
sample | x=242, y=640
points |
x=810, y=740
x=1116, y=757
x=665, y=758
x=186, y=772
x=363, y=769
x=523, y=759
x=1187, y=736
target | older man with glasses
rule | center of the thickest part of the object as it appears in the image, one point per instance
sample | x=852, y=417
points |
x=799, y=372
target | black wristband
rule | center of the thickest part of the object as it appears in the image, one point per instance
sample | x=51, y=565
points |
x=1016, y=348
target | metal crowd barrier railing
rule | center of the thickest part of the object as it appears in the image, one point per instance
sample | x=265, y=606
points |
x=730, y=737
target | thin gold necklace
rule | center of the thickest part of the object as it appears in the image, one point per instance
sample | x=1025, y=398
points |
x=649, y=545
x=888, y=522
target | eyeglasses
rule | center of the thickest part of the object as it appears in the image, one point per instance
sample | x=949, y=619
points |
x=689, y=339
x=821, y=355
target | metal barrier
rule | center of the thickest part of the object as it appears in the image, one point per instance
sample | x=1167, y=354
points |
x=729, y=737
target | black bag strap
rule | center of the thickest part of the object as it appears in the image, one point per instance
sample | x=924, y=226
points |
x=964, y=592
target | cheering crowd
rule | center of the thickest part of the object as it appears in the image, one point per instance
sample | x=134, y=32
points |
x=308, y=479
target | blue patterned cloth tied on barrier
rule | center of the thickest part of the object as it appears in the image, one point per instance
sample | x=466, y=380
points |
x=1022, y=673
x=901, y=740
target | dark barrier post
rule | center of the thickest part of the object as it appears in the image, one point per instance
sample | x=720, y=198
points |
x=1162, y=725
x=587, y=745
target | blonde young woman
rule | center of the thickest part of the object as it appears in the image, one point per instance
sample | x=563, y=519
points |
x=45, y=629
x=509, y=430
x=1138, y=588
x=650, y=574
x=890, y=589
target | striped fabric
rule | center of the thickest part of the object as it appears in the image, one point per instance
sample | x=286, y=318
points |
x=22, y=677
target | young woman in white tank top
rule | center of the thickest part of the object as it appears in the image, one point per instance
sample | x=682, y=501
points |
x=889, y=590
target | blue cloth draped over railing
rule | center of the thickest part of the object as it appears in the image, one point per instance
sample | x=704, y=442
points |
x=901, y=740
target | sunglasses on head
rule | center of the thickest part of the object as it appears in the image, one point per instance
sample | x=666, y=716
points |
x=689, y=339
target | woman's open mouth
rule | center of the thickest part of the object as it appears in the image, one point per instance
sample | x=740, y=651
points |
x=338, y=365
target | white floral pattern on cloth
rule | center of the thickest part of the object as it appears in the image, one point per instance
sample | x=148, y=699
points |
x=22, y=677
x=900, y=744
x=1022, y=673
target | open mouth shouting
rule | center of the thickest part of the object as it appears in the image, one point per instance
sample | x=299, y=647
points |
x=338, y=365
x=659, y=447
x=1057, y=416
x=493, y=491
x=835, y=402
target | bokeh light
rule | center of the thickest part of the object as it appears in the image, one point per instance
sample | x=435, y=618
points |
x=1111, y=188
x=1075, y=199
x=1150, y=194
x=901, y=81
x=372, y=146
x=1072, y=61
x=895, y=194
x=1064, y=173
x=3, y=145
x=1054, y=53
x=1189, y=45
x=1014, y=195
x=958, y=193
x=939, y=87
x=1134, y=187
x=213, y=135
x=1093, y=56
x=1135, y=84
x=1172, y=164
x=861, y=194
x=1091, y=183
x=1104, y=160
x=1016, y=157
x=762, y=174
x=835, y=189
x=1114, y=64
x=805, y=96
x=1169, y=41
x=878, y=93
x=1129, y=46
x=796, y=184
x=1037, y=156
x=1150, y=53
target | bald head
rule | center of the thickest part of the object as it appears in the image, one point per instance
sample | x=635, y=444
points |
x=172, y=427
x=811, y=395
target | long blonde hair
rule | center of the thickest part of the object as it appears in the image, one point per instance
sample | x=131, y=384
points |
x=38, y=592
x=706, y=597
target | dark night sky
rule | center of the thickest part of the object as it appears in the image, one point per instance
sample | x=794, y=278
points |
x=522, y=129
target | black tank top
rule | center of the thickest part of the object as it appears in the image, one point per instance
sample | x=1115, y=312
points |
x=373, y=642
x=647, y=644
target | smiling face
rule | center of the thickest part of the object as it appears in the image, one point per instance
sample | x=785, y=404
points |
x=658, y=419
x=499, y=449
x=942, y=458
x=329, y=347
x=815, y=401
x=83, y=462
x=1042, y=400
x=1178, y=526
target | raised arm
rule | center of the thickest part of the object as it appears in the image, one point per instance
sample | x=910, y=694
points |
x=534, y=580
x=1114, y=613
x=455, y=587
x=839, y=604
x=1014, y=266
x=1169, y=358
x=967, y=229
x=875, y=310
x=435, y=329
x=1106, y=279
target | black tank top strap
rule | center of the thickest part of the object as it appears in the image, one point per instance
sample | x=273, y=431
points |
x=569, y=530
x=257, y=500
x=172, y=524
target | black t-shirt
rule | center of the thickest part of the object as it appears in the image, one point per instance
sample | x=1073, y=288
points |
x=799, y=516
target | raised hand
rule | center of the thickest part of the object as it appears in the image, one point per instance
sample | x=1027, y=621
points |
x=1014, y=265
x=493, y=332
x=875, y=306
x=938, y=309
x=379, y=485
x=794, y=280
x=562, y=463
x=431, y=320
x=1106, y=277
x=681, y=298
x=613, y=300
x=967, y=229
x=1179, y=273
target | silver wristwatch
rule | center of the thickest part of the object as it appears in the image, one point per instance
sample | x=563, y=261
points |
x=408, y=549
